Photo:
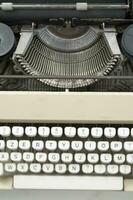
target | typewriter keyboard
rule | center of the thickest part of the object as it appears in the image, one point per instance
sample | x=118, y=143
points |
x=66, y=149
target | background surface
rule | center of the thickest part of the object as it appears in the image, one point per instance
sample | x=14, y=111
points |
x=63, y=195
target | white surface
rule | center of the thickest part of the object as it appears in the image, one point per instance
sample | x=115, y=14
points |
x=63, y=195
x=81, y=6
x=69, y=182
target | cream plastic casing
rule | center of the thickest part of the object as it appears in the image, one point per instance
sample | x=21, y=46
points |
x=66, y=107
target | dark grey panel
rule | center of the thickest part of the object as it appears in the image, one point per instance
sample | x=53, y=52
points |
x=37, y=16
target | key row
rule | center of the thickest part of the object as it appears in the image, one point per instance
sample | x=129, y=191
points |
x=82, y=132
x=92, y=158
x=62, y=168
x=64, y=145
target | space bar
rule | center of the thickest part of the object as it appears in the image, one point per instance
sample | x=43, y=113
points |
x=68, y=182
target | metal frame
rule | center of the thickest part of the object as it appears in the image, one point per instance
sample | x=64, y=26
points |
x=78, y=6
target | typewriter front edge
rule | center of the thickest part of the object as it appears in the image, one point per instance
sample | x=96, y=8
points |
x=66, y=107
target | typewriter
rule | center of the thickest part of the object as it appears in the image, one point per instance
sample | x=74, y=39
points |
x=66, y=101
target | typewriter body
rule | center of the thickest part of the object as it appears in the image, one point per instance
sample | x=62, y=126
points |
x=66, y=101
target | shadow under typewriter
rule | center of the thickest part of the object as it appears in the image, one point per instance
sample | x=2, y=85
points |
x=60, y=52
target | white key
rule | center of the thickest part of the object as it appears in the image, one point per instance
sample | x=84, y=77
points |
x=56, y=131
x=28, y=157
x=70, y=132
x=10, y=167
x=5, y=131
x=110, y=132
x=48, y=168
x=77, y=145
x=35, y=168
x=31, y=131
x=63, y=182
x=132, y=132
x=119, y=158
x=112, y=169
x=22, y=167
x=64, y=145
x=129, y=158
x=67, y=157
x=74, y=168
x=1, y=169
x=93, y=158
x=12, y=144
x=44, y=131
x=83, y=132
x=90, y=145
x=2, y=144
x=4, y=156
x=16, y=156
x=97, y=132
x=51, y=145
x=125, y=169
x=60, y=168
x=123, y=132
x=87, y=168
x=106, y=158
x=24, y=144
x=128, y=146
x=54, y=157
x=100, y=169
x=38, y=145
x=41, y=157
x=116, y=146
x=18, y=131
x=103, y=146
x=80, y=157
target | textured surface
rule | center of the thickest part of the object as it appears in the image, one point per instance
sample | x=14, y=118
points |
x=67, y=39
x=59, y=53
x=7, y=40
